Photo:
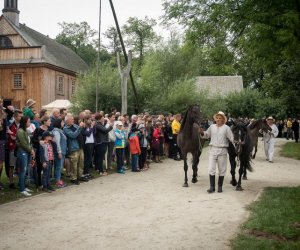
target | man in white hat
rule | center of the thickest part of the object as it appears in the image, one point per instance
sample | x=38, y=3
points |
x=220, y=135
x=269, y=139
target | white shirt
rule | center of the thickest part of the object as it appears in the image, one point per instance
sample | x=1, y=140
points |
x=220, y=136
x=90, y=139
x=272, y=134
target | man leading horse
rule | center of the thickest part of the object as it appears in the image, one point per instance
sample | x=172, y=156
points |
x=220, y=135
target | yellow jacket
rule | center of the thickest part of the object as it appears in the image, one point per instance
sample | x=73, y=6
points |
x=175, y=127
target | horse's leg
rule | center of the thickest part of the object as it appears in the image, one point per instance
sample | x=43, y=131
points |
x=232, y=169
x=196, y=157
x=255, y=150
x=239, y=184
x=185, y=167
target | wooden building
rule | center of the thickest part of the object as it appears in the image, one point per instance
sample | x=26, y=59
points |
x=33, y=65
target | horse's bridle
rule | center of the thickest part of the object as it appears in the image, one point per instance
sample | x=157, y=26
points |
x=239, y=143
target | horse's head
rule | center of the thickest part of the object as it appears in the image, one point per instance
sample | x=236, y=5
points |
x=265, y=127
x=195, y=114
x=239, y=130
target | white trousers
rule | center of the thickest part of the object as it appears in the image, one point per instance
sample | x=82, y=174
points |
x=217, y=156
x=269, y=148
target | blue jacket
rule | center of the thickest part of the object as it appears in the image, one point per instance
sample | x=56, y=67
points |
x=120, y=138
x=72, y=133
x=61, y=141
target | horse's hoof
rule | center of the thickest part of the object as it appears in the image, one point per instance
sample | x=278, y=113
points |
x=239, y=188
x=185, y=185
x=194, y=180
x=233, y=183
x=245, y=178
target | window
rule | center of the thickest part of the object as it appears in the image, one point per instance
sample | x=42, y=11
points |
x=5, y=42
x=60, y=85
x=18, y=81
x=73, y=86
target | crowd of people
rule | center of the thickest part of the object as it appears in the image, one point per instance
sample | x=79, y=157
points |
x=40, y=147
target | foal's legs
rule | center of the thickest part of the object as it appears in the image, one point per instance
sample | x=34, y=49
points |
x=185, y=167
x=232, y=169
x=239, y=184
x=255, y=150
x=196, y=157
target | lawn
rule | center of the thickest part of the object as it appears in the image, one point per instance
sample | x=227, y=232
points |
x=274, y=222
x=291, y=150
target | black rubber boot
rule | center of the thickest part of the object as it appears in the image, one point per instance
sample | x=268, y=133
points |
x=220, y=184
x=212, y=184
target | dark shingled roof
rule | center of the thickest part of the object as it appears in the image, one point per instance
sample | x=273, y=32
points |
x=53, y=52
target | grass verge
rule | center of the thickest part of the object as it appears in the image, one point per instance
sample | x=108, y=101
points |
x=8, y=195
x=274, y=222
x=291, y=150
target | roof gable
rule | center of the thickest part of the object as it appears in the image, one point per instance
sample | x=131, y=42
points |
x=54, y=53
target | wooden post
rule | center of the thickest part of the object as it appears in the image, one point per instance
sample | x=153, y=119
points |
x=124, y=74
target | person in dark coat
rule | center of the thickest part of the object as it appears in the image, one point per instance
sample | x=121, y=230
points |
x=295, y=128
x=101, y=141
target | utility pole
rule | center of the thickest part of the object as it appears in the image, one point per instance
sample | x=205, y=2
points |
x=98, y=58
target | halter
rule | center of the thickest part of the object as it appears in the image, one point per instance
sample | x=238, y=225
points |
x=239, y=142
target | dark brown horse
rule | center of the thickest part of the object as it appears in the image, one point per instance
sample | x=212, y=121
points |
x=240, y=152
x=189, y=140
x=254, y=128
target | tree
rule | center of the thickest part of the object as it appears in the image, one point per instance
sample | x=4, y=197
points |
x=80, y=38
x=140, y=35
x=114, y=42
x=109, y=90
x=263, y=36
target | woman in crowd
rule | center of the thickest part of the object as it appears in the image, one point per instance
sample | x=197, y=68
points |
x=37, y=136
x=24, y=153
x=101, y=140
x=61, y=144
x=88, y=147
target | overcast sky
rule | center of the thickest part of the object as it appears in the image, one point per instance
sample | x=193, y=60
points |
x=44, y=15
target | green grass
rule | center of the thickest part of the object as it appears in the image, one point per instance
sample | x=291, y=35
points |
x=291, y=150
x=274, y=222
x=8, y=195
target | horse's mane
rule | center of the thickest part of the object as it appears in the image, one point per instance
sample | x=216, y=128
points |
x=184, y=121
x=254, y=124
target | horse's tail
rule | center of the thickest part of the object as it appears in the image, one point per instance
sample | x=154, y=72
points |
x=248, y=153
x=248, y=165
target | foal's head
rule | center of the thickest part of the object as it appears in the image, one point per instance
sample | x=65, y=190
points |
x=194, y=113
x=239, y=130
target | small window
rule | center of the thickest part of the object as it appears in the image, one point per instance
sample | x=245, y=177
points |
x=5, y=42
x=73, y=86
x=18, y=81
x=60, y=85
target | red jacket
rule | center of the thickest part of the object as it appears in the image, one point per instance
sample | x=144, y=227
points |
x=12, y=137
x=134, y=144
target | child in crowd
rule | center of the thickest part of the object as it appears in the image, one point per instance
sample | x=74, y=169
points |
x=143, y=146
x=47, y=151
x=120, y=145
x=135, y=150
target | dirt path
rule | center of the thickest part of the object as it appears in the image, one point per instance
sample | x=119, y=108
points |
x=148, y=210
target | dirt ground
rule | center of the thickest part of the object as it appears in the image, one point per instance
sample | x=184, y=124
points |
x=147, y=210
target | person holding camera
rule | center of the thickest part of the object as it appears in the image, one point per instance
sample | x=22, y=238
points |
x=101, y=141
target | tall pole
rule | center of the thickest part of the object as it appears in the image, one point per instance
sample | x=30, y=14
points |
x=125, y=55
x=98, y=58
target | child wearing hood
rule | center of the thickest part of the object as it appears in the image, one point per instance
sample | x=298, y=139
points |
x=135, y=150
